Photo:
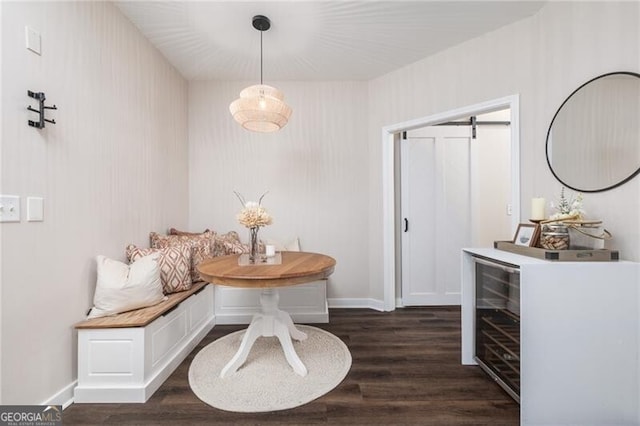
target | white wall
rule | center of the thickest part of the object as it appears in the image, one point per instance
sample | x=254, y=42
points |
x=116, y=165
x=315, y=169
x=543, y=58
x=491, y=182
x=113, y=168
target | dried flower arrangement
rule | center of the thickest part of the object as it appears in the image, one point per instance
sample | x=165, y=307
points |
x=253, y=215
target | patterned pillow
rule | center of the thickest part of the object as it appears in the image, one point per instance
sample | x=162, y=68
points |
x=235, y=248
x=174, y=263
x=228, y=243
x=174, y=231
x=200, y=245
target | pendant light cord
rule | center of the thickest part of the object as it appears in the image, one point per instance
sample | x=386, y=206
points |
x=261, y=31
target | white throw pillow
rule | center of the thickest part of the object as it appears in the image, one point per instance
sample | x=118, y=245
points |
x=292, y=245
x=121, y=287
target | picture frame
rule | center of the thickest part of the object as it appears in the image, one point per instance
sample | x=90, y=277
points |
x=527, y=235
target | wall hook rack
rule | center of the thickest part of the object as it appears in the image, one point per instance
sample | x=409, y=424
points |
x=39, y=96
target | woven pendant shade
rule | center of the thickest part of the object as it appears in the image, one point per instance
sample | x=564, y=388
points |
x=261, y=108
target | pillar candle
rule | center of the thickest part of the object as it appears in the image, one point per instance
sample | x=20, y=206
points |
x=537, y=208
x=270, y=250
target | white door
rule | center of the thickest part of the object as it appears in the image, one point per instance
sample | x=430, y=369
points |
x=436, y=213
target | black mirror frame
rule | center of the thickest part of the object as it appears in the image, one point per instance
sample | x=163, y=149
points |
x=546, y=145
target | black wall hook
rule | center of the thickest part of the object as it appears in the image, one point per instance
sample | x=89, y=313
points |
x=39, y=96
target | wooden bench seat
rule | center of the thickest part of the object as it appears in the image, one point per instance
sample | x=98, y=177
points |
x=126, y=357
x=144, y=316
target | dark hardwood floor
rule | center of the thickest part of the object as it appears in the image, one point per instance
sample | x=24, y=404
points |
x=406, y=370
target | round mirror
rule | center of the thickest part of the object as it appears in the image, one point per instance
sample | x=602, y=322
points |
x=593, y=142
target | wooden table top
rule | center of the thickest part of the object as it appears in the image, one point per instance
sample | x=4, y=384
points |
x=297, y=267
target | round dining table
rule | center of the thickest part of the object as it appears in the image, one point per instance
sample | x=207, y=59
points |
x=268, y=274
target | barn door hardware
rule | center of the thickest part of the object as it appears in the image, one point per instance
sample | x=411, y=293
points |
x=39, y=96
x=474, y=123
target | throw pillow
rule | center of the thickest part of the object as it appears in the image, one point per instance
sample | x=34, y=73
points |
x=235, y=248
x=174, y=231
x=174, y=262
x=228, y=243
x=121, y=287
x=200, y=245
x=283, y=245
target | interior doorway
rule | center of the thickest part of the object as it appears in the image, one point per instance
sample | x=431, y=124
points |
x=392, y=223
x=455, y=192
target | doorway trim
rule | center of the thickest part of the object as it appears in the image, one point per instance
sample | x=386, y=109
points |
x=389, y=171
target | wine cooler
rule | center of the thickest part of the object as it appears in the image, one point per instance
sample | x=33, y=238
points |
x=497, y=322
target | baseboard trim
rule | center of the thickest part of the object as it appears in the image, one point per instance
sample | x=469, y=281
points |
x=63, y=397
x=375, y=304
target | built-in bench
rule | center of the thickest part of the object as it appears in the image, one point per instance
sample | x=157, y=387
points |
x=126, y=357
x=306, y=303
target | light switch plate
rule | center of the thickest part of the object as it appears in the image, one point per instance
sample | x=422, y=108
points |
x=33, y=40
x=35, y=209
x=9, y=208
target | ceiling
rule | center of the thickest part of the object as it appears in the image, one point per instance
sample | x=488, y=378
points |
x=312, y=40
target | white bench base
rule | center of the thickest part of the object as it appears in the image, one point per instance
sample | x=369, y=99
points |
x=306, y=303
x=129, y=364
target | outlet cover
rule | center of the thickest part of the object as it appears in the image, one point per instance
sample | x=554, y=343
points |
x=9, y=208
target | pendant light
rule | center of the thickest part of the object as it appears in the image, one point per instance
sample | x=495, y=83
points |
x=261, y=108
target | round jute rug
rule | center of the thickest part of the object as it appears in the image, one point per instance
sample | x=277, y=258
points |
x=266, y=382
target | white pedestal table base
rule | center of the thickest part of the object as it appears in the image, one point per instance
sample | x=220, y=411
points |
x=270, y=322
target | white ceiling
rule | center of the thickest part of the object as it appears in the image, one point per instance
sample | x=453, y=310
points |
x=312, y=40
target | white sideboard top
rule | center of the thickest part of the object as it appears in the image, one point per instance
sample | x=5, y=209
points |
x=520, y=260
x=505, y=256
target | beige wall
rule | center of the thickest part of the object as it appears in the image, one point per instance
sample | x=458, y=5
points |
x=315, y=170
x=117, y=164
x=543, y=58
x=113, y=168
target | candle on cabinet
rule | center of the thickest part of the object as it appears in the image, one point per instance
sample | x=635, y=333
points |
x=537, y=208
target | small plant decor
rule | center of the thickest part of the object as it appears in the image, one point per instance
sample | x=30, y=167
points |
x=568, y=208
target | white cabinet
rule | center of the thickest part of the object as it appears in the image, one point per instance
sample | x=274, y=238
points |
x=128, y=364
x=579, y=338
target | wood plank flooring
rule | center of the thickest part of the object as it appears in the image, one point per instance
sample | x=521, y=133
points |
x=406, y=370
